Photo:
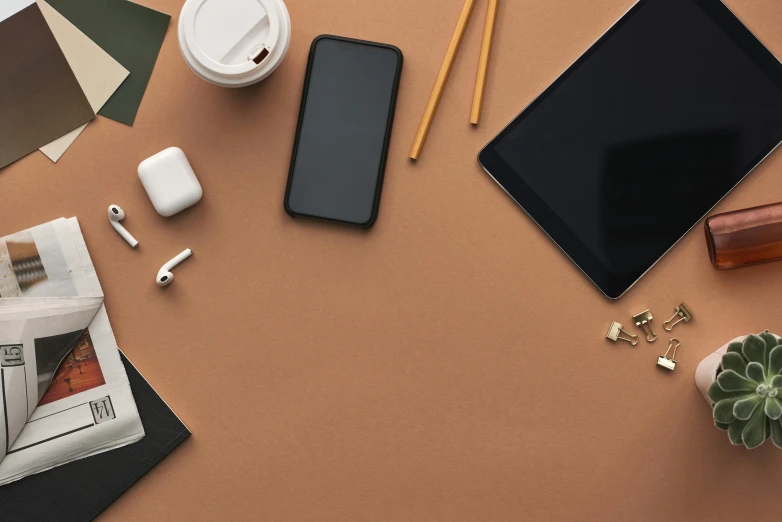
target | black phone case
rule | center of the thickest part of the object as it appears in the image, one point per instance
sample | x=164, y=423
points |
x=390, y=124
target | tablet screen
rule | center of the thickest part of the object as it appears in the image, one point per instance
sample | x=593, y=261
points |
x=642, y=136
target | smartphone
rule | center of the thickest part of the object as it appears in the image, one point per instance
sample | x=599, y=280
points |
x=344, y=129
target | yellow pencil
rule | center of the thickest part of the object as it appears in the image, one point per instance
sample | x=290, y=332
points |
x=442, y=77
x=483, y=64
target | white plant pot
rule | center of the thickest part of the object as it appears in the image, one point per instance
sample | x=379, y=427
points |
x=706, y=372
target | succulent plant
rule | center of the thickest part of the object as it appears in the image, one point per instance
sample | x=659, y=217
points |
x=747, y=395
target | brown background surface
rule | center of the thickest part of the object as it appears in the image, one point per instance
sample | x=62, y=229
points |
x=450, y=363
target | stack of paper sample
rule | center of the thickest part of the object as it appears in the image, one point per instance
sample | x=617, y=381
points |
x=65, y=61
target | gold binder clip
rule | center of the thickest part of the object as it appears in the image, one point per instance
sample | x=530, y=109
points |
x=669, y=363
x=683, y=313
x=644, y=322
x=615, y=329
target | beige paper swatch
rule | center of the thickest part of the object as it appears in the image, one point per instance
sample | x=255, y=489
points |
x=98, y=73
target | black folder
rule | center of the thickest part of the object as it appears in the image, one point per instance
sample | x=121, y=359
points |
x=81, y=490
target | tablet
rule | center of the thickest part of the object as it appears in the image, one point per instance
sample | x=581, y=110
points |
x=642, y=136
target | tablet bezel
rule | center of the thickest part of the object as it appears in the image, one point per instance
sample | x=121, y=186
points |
x=514, y=185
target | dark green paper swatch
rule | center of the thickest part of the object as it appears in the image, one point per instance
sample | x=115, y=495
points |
x=132, y=34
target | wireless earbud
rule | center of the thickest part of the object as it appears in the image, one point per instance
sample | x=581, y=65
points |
x=165, y=277
x=116, y=214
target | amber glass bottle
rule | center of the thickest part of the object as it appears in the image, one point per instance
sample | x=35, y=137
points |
x=745, y=237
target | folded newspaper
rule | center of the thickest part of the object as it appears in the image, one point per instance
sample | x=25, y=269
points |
x=65, y=393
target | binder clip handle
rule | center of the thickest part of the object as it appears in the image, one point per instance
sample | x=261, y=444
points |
x=674, y=347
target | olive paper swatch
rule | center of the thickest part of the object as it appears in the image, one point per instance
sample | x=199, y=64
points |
x=40, y=98
x=132, y=34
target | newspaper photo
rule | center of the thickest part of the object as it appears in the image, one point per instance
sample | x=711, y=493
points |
x=65, y=393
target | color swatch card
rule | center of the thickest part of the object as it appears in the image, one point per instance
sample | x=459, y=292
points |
x=40, y=98
x=98, y=73
x=132, y=34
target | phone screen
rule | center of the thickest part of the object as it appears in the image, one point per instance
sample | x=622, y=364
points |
x=344, y=129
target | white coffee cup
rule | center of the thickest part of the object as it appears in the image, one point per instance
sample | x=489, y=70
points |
x=234, y=43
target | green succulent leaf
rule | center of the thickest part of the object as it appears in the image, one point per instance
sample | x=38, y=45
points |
x=773, y=408
x=774, y=361
x=723, y=410
x=732, y=381
x=743, y=409
x=776, y=433
x=776, y=382
x=716, y=394
x=756, y=431
x=756, y=372
x=771, y=343
x=754, y=349
x=735, y=361
x=735, y=430
x=736, y=348
x=723, y=425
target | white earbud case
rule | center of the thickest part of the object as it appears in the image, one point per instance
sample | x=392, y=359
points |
x=170, y=181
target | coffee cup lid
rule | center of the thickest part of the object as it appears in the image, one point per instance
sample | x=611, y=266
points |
x=235, y=39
